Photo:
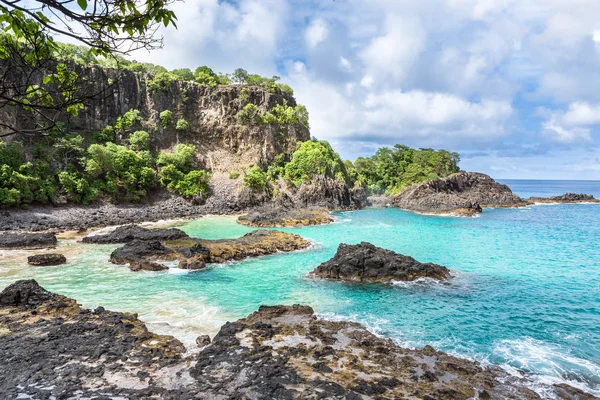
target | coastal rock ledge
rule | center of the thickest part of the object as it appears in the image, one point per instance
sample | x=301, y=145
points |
x=463, y=193
x=365, y=262
x=52, y=348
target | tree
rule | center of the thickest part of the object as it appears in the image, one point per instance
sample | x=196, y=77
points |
x=239, y=76
x=32, y=77
x=185, y=74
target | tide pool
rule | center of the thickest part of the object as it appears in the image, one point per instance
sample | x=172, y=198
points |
x=526, y=292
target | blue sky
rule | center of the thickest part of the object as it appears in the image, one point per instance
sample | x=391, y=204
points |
x=512, y=85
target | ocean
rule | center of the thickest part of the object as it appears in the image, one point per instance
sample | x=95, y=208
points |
x=525, y=293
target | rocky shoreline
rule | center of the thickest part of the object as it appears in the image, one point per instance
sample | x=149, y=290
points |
x=53, y=348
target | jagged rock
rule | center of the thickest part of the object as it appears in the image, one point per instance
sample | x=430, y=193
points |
x=27, y=241
x=24, y=293
x=203, y=340
x=124, y=234
x=143, y=265
x=272, y=216
x=46, y=259
x=328, y=193
x=466, y=192
x=50, y=347
x=566, y=198
x=365, y=262
x=141, y=250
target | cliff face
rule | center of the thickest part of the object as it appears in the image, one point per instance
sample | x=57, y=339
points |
x=209, y=111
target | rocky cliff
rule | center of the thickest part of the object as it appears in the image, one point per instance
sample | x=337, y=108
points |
x=209, y=111
x=462, y=193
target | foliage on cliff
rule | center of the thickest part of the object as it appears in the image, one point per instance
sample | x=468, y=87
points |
x=392, y=170
x=64, y=168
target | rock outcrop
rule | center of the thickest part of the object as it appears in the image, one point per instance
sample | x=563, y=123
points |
x=271, y=216
x=46, y=259
x=194, y=253
x=365, y=262
x=27, y=241
x=124, y=234
x=52, y=348
x=463, y=193
x=328, y=193
x=567, y=198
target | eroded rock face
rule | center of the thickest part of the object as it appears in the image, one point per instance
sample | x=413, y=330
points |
x=124, y=234
x=327, y=193
x=27, y=241
x=566, y=198
x=464, y=191
x=143, y=265
x=365, y=262
x=82, y=352
x=46, y=259
x=274, y=217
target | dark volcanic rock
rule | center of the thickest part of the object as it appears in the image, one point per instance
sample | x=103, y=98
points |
x=124, y=234
x=566, y=198
x=271, y=216
x=29, y=241
x=51, y=348
x=141, y=250
x=329, y=193
x=46, y=259
x=464, y=193
x=367, y=263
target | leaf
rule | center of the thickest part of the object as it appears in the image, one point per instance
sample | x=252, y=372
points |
x=82, y=4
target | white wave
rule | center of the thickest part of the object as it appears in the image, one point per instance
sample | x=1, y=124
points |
x=548, y=364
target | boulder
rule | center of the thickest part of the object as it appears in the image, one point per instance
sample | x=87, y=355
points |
x=365, y=262
x=124, y=234
x=46, y=259
x=463, y=192
x=203, y=340
x=141, y=250
x=26, y=293
x=27, y=241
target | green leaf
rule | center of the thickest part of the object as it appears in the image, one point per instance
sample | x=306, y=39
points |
x=82, y=4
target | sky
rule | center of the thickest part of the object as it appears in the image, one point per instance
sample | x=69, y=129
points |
x=512, y=85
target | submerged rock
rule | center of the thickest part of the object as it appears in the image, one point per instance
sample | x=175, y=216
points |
x=124, y=234
x=566, y=198
x=271, y=217
x=143, y=265
x=464, y=193
x=27, y=241
x=46, y=259
x=50, y=347
x=365, y=262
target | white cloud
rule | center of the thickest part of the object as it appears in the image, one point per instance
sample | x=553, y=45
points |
x=572, y=126
x=392, y=54
x=345, y=65
x=582, y=113
x=560, y=134
x=316, y=33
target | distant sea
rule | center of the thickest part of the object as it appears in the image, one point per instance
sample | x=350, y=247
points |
x=546, y=188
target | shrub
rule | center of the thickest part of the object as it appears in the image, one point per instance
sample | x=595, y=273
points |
x=234, y=174
x=76, y=187
x=255, y=179
x=315, y=158
x=105, y=135
x=182, y=125
x=139, y=140
x=128, y=120
x=162, y=82
x=249, y=115
x=185, y=74
x=182, y=158
x=166, y=118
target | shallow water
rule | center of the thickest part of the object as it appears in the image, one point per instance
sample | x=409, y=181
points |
x=526, y=292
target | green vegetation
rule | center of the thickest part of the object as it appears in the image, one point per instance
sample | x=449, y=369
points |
x=139, y=140
x=255, y=179
x=315, y=158
x=178, y=175
x=166, y=118
x=182, y=125
x=281, y=114
x=234, y=174
x=392, y=170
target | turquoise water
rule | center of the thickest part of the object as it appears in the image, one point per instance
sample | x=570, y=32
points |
x=540, y=188
x=526, y=292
